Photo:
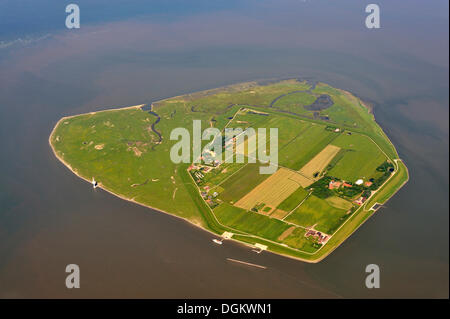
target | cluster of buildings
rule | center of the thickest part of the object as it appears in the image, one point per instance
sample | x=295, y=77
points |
x=211, y=199
x=203, y=168
x=361, y=181
x=209, y=157
x=199, y=171
x=337, y=184
x=321, y=238
x=198, y=175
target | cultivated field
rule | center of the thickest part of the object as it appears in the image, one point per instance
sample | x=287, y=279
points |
x=273, y=190
x=240, y=184
x=293, y=200
x=306, y=144
x=279, y=213
x=314, y=167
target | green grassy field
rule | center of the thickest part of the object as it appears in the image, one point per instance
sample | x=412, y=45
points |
x=246, y=118
x=305, y=146
x=295, y=103
x=316, y=211
x=297, y=239
x=339, y=202
x=240, y=184
x=250, y=222
x=121, y=150
x=361, y=159
x=293, y=200
x=222, y=173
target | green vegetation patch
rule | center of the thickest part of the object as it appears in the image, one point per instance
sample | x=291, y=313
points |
x=305, y=146
x=219, y=174
x=293, y=200
x=359, y=161
x=320, y=188
x=339, y=202
x=318, y=213
x=250, y=222
x=219, y=100
x=246, y=117
x=295, y=102
x=298, y=240
x=240, y=184
x=389, y=189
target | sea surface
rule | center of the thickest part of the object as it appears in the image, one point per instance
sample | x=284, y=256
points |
x=131, y=53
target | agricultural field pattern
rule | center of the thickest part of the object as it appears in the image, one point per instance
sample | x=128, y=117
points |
x=335, y=167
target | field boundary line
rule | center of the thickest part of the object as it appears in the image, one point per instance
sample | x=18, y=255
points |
x=230, y=176
x=246, y=234
x=309, y=194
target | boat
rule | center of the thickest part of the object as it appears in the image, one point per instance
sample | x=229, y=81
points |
x=219, y=242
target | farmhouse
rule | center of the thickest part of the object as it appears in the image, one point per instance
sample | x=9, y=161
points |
x=347, y=185
x=334, y=184
x=320, y=237
x=360, y=200
x=193, y=166
x=337, y=184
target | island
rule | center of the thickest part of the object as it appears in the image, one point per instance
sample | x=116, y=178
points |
x=335, y=166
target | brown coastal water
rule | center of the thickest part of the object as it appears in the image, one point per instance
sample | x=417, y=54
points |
x=50, y=218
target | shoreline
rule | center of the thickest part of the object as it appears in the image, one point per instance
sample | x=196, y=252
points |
x=158, y=210
x=204, y=228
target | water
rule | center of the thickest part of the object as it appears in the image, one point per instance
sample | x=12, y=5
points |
x=50, y=218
